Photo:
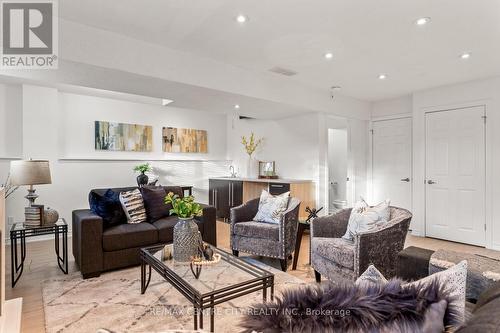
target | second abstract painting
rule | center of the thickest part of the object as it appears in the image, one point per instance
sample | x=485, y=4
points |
x=184, y=140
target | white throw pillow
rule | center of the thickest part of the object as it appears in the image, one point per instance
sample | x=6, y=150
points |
x=271, y=207
x=365, y=218
x=133, y=205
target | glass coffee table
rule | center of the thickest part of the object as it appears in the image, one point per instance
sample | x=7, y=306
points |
x=228, y=279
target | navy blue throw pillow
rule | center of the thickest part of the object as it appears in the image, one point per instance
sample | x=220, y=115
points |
x=108, y=207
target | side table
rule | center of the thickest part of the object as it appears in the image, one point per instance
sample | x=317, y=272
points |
x=303, y=225
x=20, y=232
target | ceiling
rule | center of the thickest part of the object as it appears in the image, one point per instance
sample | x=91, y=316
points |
x=366, y=37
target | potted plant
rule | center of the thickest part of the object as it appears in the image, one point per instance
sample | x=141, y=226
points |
x=142, y=179
x=250, y=145
x=186, y=234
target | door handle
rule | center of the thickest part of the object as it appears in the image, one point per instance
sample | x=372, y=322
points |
x=406, y=180
x=430, y=182
x=229, y=195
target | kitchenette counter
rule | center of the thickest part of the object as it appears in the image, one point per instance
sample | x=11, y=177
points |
x=266, y=180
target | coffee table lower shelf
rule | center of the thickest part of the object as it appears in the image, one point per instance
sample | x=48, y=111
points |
x=206, y=301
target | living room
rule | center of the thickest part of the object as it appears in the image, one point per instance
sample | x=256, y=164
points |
x=334, y=152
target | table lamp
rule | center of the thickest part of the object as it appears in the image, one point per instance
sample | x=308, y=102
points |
x=30, y=172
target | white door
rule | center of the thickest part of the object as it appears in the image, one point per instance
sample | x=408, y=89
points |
x=392, y=156
x=455, y=175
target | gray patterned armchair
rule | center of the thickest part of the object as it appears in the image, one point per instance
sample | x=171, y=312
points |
x=337, y=258
x=264, y=239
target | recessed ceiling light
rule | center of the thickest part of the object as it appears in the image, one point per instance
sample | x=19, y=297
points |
x=423, y=21
x=241, y=18
x=165, y=101
x=236, y=106
x=335, y=87
x=465, y=55
x=328, y=55
x=382, y=76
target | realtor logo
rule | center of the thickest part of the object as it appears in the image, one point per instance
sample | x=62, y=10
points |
x=29, y=34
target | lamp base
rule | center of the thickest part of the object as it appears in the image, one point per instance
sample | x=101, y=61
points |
x=31, y=196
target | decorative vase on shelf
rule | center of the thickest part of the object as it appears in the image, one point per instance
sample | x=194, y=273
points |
x=142, y=179
x=186, y=239
x=251, y=167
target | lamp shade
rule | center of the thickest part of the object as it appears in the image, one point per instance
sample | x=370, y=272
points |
x=32, y=172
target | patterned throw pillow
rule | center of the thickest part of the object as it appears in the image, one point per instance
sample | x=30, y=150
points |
x=453, y=281
x=365, y=218
x=133, y=205
x=271, y=207
x=371, y=275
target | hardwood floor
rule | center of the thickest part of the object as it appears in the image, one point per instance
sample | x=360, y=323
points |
x=41, y=265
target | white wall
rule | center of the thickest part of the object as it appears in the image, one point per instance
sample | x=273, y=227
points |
x=299, y=146
x=57, y=126
x=480, y=92
x=402, y=106
x=11, y=114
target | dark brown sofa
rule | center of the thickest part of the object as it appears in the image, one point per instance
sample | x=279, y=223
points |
x=97, y=248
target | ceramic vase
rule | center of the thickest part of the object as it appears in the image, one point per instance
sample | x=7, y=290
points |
x=186, y=240
x=251, y=167
x=142, y=180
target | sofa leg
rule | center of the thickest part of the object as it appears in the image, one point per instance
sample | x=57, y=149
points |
x=236, y=253
x=91, y=275
x=317, y=276
x=284, y=264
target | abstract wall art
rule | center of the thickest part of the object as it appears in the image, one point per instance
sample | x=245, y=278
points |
x=123, y=137
x=184, y=140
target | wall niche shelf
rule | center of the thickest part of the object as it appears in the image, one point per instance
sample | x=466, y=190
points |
x=99, y=159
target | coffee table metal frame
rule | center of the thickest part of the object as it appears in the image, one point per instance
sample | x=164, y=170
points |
x=201, y=301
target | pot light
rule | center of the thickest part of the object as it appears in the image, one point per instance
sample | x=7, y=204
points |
x=165, y=101
x=236, y=106
x=423, y=21
x=382, y=76
x=328, y=55
x=465, y=55
x=335, y=87
x=241, y=18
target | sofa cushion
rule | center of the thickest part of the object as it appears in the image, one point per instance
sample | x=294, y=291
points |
x=154, y=202
x=129, y=235
x=166, y=225
x=106, y=204
x=338, y=250
x=165, y=228
x=254, y=229
x=272, y=207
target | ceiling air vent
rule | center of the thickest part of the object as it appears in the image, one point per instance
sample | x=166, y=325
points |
x=283, y=71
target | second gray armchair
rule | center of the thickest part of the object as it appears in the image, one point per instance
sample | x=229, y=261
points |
x=337, y=258
x=264, y=239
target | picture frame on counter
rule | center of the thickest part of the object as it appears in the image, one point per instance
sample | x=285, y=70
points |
x=267, y=170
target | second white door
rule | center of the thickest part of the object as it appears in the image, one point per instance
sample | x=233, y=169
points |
x=455, y=175
x=392, y=150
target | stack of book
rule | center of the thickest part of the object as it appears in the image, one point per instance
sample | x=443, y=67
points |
x=33, y=215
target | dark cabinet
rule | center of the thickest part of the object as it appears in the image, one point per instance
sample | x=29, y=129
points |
x=225, y=194
x=278, y=188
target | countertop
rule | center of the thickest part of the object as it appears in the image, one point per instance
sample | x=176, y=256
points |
x=259, y=180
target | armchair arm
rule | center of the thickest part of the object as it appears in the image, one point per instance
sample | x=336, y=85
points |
x=87, y=242
x=209, y=220
x=245, y=212
x=331, y=226
x=288, y=227
x=381, y=247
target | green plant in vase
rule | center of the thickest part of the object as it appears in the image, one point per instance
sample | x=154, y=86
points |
x=186, y=234
x=250, y=145
x=185, y=207
x=142, y=179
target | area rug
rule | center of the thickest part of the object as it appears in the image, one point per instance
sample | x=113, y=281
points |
x=113, y=301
